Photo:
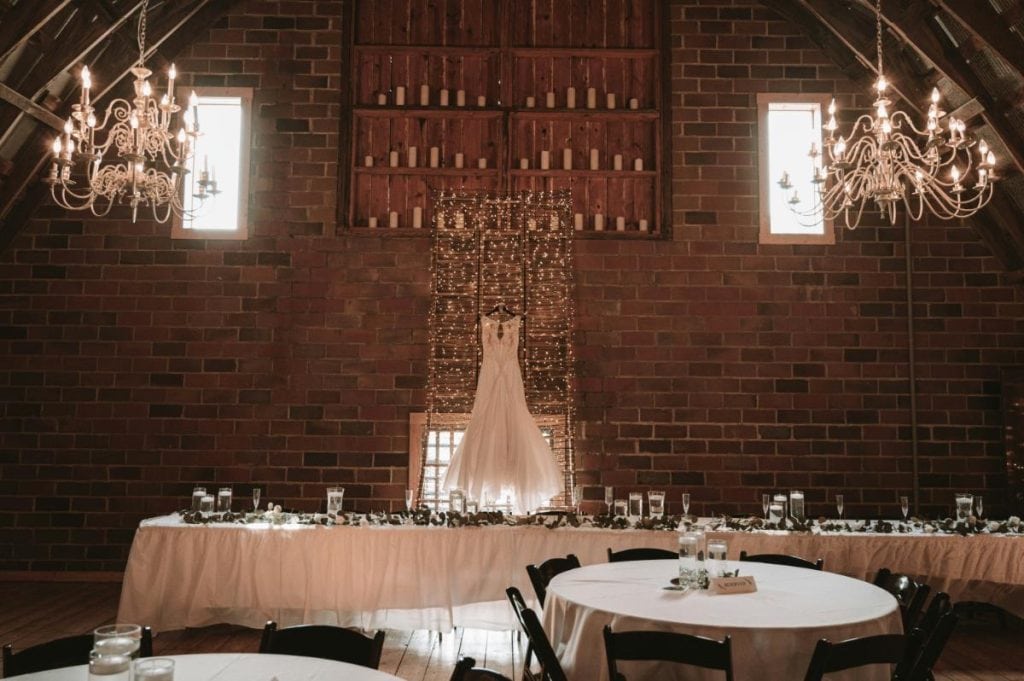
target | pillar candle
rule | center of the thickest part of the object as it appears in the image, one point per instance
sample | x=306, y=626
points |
x=598, y=222
x=577, y=221
x=530, y=102
x=400, y=95
x=424, y=95
x=481, y=101
x=611, y=100
x=549, y=100
x=371, y=222
x=617, y=161
x=444, y=97
x=567, y=158
x=459, y=160
x=591, y=98
x=417, y=217
x=545, y=160
x=643, y=225
x=393, y=159
x=368, y=161
x=393, y=219
x=570, y=98
x=460, y=98
x=524, y=163
x=595, y=162
x=460, y=220
x=634, y=103
x=481, y=163
x=638, y=164
x=435, y=157
x=382, y=99
x=620, y=223
x=412, y=157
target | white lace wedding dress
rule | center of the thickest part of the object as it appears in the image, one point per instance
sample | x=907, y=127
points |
x=502, y=451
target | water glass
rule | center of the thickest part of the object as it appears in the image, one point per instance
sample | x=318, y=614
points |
x=109, y=667
x=656, y=503
x=206, y=504
x=154, y=669
x=117, y=639
x=197, y=497
x=688, y=549
x=224, y=500
x=636, y=505
x=796, y=505
x=620, y=508
x=609, y=498
x=718, y=550
x=964, y=505
x=457, y=501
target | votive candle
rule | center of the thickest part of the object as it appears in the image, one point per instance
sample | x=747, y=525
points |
x=643, y=225
x=530, y=102
x=371, y=222
x=382, y=99
x=368, y=161
x=634, y=103
x=481, y=101
x=481, y=163
x=638, y=164
x=524, y=164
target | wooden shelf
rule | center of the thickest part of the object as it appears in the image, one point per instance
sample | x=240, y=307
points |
x=393, y=111
x=561, y=172
x=439, y=50
x=456, y=172
x=585, y=52
x=577, y=114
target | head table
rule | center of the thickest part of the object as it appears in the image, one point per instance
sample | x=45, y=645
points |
x=240, y=667
x=413, y=577
x=774, y=630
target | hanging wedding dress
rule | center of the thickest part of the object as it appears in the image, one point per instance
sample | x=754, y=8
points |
x=502, y=451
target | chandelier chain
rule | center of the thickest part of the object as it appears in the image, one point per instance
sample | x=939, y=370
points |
x=142, y=31
x=878, y=34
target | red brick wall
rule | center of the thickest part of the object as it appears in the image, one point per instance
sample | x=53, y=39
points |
x=134, y=366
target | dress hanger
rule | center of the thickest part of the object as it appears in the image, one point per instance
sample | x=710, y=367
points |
x=502, y=308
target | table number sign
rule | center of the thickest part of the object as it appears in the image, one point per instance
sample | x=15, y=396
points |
x=733, y=585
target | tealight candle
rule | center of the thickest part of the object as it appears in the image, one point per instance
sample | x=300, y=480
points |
x=400, y=95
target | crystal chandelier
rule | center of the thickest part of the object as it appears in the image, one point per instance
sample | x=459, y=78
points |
x=139, y=161
x=883, y=161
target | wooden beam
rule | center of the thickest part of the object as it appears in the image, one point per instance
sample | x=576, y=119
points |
x=24, y=21
x=31, y=108
x=988, y=27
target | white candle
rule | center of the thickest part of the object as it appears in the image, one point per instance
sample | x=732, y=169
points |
x=382, y=99
x=620, y=224
x=549, y=100
x=368, y=161
x=417, y=217
x=570, y=98
x=424, y=95
x=460, y=98
x=459, y=160
x=530, y=102
x=393, y=219
x=545, y=160
x=643, y=225
x=412, y=157
x=481, y=163
x=400, y=95
x=393, y=159
x=595, y=162
x=435, y=157
x=634, y=103
x=598, y=222
x=371, y=222
x=638, y=164
x=444, y=97
x=611, y=100
x=524, y=164
x=460, y=220
x=577, y=221
x=567, y=159
x=617, y=162
x=591, y=98
x=481, y=101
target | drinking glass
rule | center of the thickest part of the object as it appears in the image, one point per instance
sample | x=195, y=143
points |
x=472, y=506
x=117, y=639
x=224, y=500
x=717, y=552
x=765, y=500
x=197, y=497
x=154, y=669
x=979, y=504
x=656, y=504
x=905, y=507
x=335, y=497
x=457, y=501
x=839, y=505
x=256, y=499
x=796, y=504
x=781, y=499
x=686, y=503
x=609, y=498
x=964, y=504
x=409, y=494
x=688, y=548
x=636, y=505
x=206, y=504
x=109, y=667
x=620, y=507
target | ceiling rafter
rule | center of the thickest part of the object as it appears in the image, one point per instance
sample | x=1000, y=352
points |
x=988, y=27
x=24, y=21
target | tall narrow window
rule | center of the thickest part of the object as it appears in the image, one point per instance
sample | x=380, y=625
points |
x=788, y=126
x=222, y=154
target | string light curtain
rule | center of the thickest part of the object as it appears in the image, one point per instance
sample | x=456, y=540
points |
x=515, y=249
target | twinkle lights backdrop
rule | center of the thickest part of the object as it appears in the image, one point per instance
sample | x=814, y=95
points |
x=513, y=249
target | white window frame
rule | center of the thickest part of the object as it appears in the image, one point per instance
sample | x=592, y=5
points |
x=245, y=94
x=769, y=184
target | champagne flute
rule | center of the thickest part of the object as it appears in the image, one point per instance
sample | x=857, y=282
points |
x=408, y=500
x=839, y=505
x=255, y=499
x=609, y=498
x=905, y=507
x=577, y=498
x=979, y=503
x=686, y=503
x=765, y=498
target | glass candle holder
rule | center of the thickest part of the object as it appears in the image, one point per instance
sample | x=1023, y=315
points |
x=621, y=508
x=224, y=500
x=335, y=497
x=656, y=504
x=718, y=550
x=796, y=505
x=197, y=497
x=636, y=505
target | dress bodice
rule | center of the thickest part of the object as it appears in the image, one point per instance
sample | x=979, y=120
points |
x=499, y=339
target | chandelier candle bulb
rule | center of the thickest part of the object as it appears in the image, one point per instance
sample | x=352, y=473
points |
x=570, y=98
x=460, y=160
x=549, y=100
x=591, y=98
x=413, y=152
x=567, y=158
x=530, y=102
x=598, y=222
x=577, y=221
x=424, y=95
x=595, y=161
x=393, y=159
x=417, y=217
x=443, y=97
x=393, y=219
x=620, y=224
x=435, y=157
x=545, y=160
x=617, y=162
x=400, y=95
x=611, y=100
x=460, y=98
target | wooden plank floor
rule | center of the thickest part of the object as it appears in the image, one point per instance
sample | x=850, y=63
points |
x=31, y=613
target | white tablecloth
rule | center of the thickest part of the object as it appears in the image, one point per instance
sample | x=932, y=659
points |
x=240, y=667
x=435, y=578
x=773, y=631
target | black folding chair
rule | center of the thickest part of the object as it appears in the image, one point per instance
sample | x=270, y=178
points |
x=782, y=559
x=640, y=554
x=893, y=649
x=70, y=651
x=696, y=651
x=550, y=668
x=325, y=642
x=911, y=595
x=541, y=575
x=466, y=670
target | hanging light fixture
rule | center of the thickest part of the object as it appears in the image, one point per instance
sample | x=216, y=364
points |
x=887, y=160
x=140, y=161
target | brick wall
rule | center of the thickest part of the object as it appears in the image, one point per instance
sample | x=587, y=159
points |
x=134, y=366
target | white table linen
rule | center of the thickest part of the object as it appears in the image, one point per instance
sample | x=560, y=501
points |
x=240, y=667
x=773, y=630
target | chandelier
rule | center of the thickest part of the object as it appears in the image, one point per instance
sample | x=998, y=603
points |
x=888, y=161
x=140, y=160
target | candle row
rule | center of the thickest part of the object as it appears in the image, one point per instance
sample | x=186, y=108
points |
x=567, y=155
x=434, y=161
x=598, y=222
x=550, y=98
x=459, y=160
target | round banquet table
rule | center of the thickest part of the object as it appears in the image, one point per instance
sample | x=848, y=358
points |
x=773, y=630
x=240, y=667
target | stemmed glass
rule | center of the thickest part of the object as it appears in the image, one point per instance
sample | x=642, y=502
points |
x=577, y=498
x=256, y=499
x=905, y=507
x=686, y=503
x=979, y=504
x=609, y=498
x=839, y=505
x=765, y=498
x=408, y=500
